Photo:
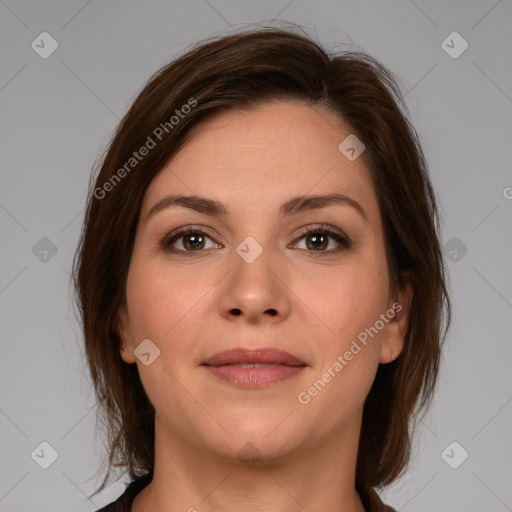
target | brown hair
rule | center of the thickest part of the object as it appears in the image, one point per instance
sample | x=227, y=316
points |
x=239, y=71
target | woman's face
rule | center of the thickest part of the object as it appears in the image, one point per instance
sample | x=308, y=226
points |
x=249, y=277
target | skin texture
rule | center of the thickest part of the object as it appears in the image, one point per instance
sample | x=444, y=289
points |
x=313, y=307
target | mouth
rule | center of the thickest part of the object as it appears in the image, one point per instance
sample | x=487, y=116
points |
x=254, y=368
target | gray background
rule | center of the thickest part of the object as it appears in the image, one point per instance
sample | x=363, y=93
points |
x=57, y=114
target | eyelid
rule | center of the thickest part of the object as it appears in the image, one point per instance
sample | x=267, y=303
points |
x=320, y=228
x=343, y=241
x=165, y=241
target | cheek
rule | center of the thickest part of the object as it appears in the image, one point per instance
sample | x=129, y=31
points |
x=166, y=305
x=160, y=299
x=347, y=300
x=349, y=304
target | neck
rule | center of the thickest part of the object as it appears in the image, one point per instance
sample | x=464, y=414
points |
x=316, y=477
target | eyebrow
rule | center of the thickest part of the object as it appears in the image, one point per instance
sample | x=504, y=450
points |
x=292, y=206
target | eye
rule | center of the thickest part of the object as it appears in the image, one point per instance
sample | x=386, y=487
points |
x=189, y=241
x=317, y=239
x=186, y=240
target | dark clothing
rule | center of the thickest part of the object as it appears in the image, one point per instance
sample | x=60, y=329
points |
x=124, y=502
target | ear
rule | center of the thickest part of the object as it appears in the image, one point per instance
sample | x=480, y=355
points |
x=123, y=331
x=393, y=337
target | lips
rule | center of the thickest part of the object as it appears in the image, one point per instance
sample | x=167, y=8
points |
x=254, y=368
x=253, y=358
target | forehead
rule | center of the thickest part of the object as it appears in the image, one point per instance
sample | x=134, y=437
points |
x=265, y=155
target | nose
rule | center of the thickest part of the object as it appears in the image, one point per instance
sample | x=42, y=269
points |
x=256, y=292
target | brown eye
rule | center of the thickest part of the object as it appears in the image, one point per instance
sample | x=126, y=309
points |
x=193, y=241
x=187, y=241
x=318, y=239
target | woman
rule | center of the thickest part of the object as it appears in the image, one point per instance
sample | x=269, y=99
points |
x=261, y=283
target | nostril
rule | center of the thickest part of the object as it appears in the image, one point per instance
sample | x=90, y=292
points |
x=236, y=312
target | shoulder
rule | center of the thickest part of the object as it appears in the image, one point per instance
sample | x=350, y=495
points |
x=125, y=501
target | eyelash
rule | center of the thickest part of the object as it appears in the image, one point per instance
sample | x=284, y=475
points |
x=167, y=240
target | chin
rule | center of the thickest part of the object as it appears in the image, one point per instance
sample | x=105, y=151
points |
x=252, y=451
x=271, y=437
